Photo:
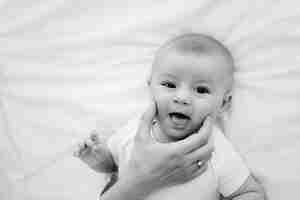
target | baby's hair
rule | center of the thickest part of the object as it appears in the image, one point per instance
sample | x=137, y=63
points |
x=196, y=44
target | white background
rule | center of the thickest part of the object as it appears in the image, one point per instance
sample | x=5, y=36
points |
x=70, y=66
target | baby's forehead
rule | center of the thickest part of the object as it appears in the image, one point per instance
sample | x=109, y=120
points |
x=194, y=44
x=194, y=48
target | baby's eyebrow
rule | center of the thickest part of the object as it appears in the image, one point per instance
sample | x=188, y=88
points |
x=168, y=75
x=203, y=80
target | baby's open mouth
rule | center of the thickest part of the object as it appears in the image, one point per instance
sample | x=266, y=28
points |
x=180, y=120
x=178, y=115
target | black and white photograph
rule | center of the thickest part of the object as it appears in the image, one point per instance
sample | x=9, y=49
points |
x=149, y=99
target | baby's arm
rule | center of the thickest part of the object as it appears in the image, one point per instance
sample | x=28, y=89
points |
x=250, y=190
x=96, y=154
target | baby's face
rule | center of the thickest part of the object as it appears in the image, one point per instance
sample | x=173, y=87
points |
x=187, y=88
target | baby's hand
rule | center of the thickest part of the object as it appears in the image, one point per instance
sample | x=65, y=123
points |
x=95, y=154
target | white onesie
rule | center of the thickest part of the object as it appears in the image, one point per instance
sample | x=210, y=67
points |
x=226, y=171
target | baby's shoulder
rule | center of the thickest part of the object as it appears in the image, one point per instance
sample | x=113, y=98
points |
x=125, y=132
x=219, y=138
x=223, y=148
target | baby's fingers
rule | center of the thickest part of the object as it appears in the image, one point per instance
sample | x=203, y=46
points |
x=88, y=143
x=83, y=148
x=78, y=149
x=94, y=137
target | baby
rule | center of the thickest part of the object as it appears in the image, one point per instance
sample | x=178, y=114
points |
x=191, y=78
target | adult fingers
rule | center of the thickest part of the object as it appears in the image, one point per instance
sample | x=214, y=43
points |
x=143, y=133
x=194, y=170
x=199, y=169
x=196, y=140
x=202, y=154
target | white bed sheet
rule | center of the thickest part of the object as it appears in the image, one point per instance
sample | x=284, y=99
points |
x=68, y=67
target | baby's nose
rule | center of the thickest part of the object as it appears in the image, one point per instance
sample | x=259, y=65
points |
x=182, y=97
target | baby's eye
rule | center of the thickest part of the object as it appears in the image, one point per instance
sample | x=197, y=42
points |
x=168, y=84
x=202, y=90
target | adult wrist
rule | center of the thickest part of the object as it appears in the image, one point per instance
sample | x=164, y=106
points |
x=126, y=189
x=137, y=187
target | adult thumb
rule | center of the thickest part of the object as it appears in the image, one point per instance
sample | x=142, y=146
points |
x=146, y=121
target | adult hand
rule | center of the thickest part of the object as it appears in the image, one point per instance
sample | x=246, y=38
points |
x=154, y=165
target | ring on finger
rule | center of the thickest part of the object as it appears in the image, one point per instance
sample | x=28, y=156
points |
x=199, y=163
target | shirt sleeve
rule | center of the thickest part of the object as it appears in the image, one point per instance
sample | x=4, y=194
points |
x=118, y=141
x=230, y=169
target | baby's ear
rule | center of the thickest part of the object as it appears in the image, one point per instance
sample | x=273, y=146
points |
x=226, y=102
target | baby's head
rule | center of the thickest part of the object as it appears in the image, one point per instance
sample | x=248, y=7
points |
x=191, y=78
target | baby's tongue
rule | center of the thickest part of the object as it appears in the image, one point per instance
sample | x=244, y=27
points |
x=179, y=120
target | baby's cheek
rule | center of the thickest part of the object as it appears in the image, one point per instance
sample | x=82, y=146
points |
x=162, y=102
x=203, y=109
x=200, y=114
